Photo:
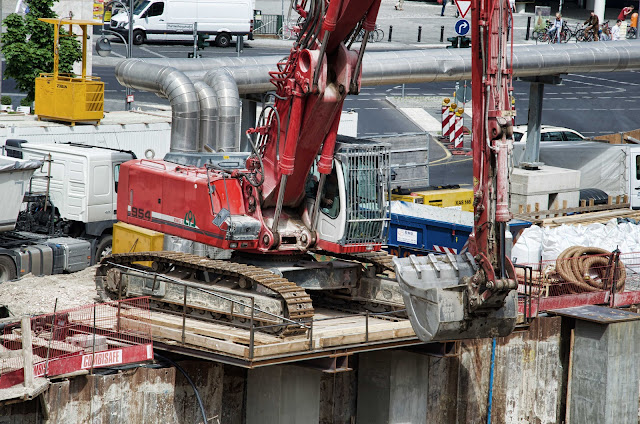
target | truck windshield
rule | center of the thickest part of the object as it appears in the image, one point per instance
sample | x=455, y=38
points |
x=140, y=7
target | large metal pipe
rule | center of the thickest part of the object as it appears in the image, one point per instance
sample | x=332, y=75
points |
x=208, y=126
x=232, y=76
x=177, y=88
x=429, y=65
x=228, y=98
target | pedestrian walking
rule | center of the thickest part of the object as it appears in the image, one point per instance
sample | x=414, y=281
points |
x=615, y=31
x=592, y=25
x=444, y=5
x=399, y=5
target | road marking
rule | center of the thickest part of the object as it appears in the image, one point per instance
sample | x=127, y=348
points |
x=152, y=52
x=117, y=55
x=605, y=79
x=422, y=118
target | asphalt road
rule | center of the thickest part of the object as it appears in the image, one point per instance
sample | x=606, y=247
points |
x=592, y=104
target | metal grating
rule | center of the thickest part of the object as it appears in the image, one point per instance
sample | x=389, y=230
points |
x=366, y=169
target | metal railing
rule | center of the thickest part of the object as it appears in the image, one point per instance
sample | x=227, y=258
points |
x=254, y=317
x=267, y=24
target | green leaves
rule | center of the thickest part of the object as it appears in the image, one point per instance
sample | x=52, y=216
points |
x=27, y=46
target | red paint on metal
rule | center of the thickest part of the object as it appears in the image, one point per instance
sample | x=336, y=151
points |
x=352, y=248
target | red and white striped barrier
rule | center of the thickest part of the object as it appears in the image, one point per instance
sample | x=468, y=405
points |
x=445, y=115
x=443, y=249
x=456, y=136
x=448, y=123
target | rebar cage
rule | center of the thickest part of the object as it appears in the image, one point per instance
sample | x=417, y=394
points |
x=366, y=167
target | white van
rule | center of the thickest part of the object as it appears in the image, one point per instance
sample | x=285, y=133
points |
x=173, y=20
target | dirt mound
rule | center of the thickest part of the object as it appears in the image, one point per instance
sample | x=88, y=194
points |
x=37, y=295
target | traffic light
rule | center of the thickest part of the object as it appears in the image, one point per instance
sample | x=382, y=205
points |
x=459, y=42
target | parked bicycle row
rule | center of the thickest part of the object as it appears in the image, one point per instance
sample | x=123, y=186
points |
x=591, y=30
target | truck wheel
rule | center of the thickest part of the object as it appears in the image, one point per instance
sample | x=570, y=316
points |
x=7, y=269
x=223, y=40
x=139, y=37
x=104, y=247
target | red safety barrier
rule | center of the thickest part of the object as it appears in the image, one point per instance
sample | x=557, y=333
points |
x=93, y=336
x=579, y=280
x=456, y=137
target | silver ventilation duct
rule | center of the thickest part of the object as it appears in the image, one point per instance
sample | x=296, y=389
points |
x=177, y=88
x=208, y=127
x=251, y=76
x=226, y=92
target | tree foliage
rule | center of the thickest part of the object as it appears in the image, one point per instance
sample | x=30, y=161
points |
x=27, y=46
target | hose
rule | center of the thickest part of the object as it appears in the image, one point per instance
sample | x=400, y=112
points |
x=189, y=380
x=587, y=269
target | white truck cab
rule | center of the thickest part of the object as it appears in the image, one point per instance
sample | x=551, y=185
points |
x=80, y=182
x=166, y=20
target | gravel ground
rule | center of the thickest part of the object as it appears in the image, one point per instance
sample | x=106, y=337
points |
x=37, y=295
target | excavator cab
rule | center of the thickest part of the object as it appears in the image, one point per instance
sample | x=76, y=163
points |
x=353, y=206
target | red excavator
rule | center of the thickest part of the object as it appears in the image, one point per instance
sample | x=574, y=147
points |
x=473, y=295
x=301, y=191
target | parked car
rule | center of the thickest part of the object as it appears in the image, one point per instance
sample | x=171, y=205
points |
x=548, y=133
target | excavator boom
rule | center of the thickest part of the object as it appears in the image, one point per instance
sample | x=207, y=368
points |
x=473, y=295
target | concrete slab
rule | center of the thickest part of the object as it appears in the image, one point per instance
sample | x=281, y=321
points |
x=548, y=179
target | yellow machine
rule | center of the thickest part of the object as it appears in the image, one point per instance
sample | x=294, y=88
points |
x=69, y=97
x=129, y=238
x=444, y=198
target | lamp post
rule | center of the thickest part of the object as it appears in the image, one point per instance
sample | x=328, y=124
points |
x=103, y=46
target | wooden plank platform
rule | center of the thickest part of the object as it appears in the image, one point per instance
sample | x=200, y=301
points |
x=583, y=215
x=331, y=331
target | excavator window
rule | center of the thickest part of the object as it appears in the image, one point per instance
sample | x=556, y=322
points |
x=330, y=200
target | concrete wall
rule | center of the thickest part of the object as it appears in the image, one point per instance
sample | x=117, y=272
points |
x=388, y=386
x=406, y=387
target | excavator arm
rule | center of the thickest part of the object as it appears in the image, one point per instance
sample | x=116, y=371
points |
x=311, y=85
x=473, y=295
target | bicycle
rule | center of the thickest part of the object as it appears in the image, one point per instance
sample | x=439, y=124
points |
x=374, y=36
x=605, y=32
x=544, y=36
x=288, y=31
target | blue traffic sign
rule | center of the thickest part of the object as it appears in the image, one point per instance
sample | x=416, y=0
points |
x=462, y=27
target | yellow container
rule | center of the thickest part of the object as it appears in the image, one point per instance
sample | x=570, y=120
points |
x=69, y=99
x=411, y=198
x=129, y=238
x=445, y=198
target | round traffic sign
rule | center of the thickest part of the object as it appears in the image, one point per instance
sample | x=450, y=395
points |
x=462, y=27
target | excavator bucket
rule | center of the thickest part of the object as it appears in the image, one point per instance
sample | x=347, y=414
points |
x=437, y=304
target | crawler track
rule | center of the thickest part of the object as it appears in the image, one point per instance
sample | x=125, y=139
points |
x=297, y=301
x=381, y=260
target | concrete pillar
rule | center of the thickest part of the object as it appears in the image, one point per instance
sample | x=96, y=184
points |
x=283, y=395
x=393, y=387
x=247, y=120
x=604, y=375
x=598, y=8
x=532, y=149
